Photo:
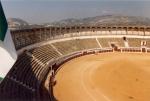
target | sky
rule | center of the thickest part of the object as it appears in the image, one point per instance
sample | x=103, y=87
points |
x=44, y=11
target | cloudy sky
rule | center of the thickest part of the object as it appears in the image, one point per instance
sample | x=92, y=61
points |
x=42, y=11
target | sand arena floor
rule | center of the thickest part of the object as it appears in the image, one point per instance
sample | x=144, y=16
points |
x=105, y=77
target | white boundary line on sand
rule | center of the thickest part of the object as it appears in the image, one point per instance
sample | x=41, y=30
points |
x=84, y=87
x=98, y=92
x=89, y=93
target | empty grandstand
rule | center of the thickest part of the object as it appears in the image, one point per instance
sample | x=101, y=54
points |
x=43, y=50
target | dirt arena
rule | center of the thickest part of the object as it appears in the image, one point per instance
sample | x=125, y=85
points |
x=105, y=77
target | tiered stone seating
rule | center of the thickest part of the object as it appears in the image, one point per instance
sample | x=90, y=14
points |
x=134, y=42
x=25, y=69
x=12, y=91
x=66, y=47
x=24, y=79
x=70, y=46
x=44, y=53
x=88, y=43
x=105, y=42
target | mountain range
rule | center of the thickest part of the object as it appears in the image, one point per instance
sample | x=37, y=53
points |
x=105, y=20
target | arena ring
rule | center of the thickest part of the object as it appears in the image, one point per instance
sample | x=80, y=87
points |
x=43, y=51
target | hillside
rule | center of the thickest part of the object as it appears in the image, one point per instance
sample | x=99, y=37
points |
x=107, y=20
x=17, y=23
